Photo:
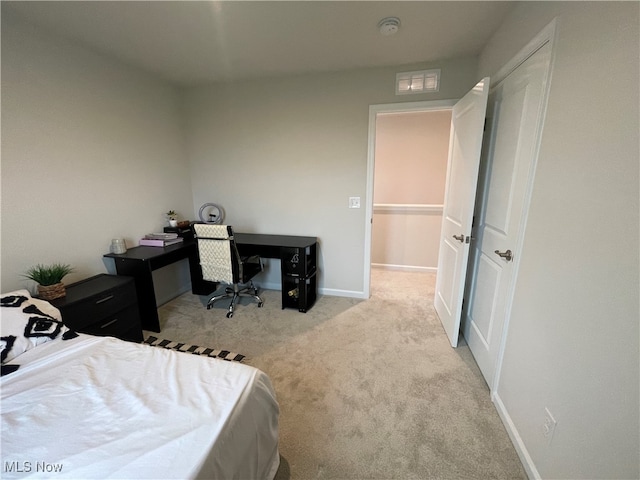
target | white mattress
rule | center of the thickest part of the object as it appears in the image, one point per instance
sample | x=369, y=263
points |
x=98, y=407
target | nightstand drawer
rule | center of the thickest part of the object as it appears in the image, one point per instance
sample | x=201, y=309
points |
x=100, y=305
x=124, y=324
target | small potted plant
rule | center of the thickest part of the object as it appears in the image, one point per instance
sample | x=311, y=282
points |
x=49, y=279
x=173, y=218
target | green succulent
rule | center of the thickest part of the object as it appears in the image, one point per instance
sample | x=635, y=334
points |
x=48, y=274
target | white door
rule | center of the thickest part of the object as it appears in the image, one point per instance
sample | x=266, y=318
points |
x=507, y=168
x=465, y=145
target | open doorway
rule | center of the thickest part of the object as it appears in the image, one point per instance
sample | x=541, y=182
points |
x=408, y=151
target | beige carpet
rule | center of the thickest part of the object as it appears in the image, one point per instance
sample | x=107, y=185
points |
x=367, y=389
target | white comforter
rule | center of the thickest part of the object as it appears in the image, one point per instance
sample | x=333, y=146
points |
x=98, y=407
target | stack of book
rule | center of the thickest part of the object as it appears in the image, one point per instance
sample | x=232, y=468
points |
x=160, y=239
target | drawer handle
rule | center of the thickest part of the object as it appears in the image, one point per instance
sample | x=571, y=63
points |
x=109, y=323
x=105, y=299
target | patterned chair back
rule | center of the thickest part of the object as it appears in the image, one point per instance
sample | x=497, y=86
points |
x=218, y=254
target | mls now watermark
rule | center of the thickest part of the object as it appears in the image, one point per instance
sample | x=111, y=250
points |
x=29, y=467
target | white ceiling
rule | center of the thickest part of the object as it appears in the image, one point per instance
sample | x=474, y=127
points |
x=192, y=42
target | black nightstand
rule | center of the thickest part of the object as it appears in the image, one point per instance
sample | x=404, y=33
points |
x=104, y=305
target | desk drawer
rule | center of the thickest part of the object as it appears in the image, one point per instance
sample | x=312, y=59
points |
x=124, y=324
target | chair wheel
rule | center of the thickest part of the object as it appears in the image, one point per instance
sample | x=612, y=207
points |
x=260, y=305
x=208, y=307
x=229, y=314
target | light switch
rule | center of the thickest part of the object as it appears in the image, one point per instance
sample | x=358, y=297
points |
x=354, y=202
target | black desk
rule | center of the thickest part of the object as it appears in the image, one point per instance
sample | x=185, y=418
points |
x=298, y=267
x=298, y=264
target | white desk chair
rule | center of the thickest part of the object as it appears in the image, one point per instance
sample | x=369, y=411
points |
x=221, y=262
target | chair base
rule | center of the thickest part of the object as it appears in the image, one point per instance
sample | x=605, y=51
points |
x=234, y=293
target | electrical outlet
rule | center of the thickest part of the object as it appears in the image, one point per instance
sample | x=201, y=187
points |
x=354, y=202
x=549, y=425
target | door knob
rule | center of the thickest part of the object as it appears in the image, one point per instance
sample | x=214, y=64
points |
x=508, y=255
x=460, y=238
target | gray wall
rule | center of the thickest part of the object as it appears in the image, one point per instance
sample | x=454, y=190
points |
x=91, y=150
x=572, y=344
x=285, y=155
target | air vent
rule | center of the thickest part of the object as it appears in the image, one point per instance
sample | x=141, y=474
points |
x=417, y=82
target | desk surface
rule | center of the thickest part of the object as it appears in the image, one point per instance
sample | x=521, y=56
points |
x=273, y=240
x=144, y=253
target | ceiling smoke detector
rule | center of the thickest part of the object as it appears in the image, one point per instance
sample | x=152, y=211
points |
x=389, y=26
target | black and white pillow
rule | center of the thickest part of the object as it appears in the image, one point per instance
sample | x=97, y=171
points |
x=25, y=323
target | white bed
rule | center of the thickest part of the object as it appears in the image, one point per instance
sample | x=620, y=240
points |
x=99, y=407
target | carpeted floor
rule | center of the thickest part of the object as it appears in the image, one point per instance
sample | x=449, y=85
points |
x=367, y=389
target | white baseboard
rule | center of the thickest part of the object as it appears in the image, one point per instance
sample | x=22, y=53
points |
x=404, y=268
x=332, y=292
x=518, y=443
x=341, y=293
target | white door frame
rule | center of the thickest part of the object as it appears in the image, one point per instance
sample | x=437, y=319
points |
x=374, y=110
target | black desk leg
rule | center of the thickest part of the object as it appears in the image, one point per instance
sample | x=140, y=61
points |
x=141, y=273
